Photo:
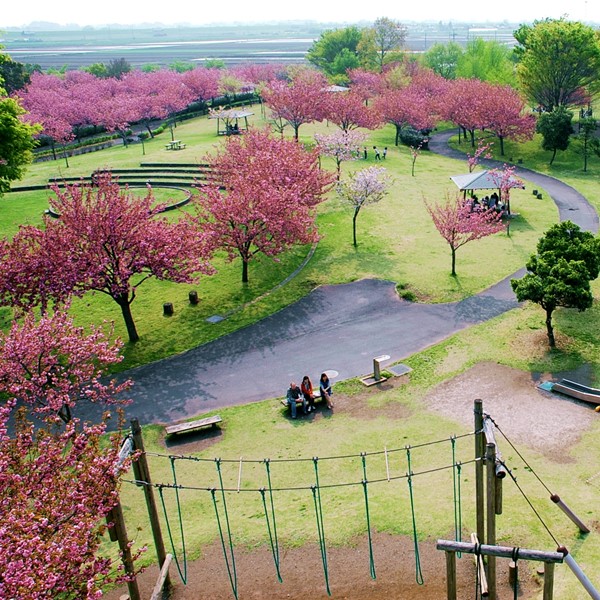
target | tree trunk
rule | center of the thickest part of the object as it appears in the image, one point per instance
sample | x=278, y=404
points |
x=472, y=134
x=123, y=302
x=553, y=156
x=354, y=216
x=66, y=156
x=453, y=261
x=501, y=145
x=244, y=271
x=550, y=329
x=296, y=128
x=398, y=129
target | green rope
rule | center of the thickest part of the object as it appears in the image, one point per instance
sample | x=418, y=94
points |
x=366, y=494
x=316, y=492
x=231, y=569
x=418, y=573
x=182, y=574
x=456, y=468
x=272, y=530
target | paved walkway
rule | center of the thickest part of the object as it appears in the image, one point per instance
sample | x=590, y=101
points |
x=337, y=328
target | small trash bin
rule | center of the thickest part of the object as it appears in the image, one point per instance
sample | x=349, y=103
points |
x=168, y=309
x=193, y=295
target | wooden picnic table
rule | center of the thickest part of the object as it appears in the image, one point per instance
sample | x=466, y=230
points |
x=175, y=145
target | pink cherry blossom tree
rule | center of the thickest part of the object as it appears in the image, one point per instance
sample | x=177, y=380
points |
x=458, y=224
x=366, y=83
x=348, y=111
x=56, y=483
x=341, y=146
x=362, y=188
x=172, y=95
x=406, y=107
x=203, y=82
x=56, y=489
x=506, y=181
x=507, y=117
x=299, y=101
x=270, y=188
x=50, y=365
x=43, y=98
x=483, y=149
x=107, y=240
x=465, y=104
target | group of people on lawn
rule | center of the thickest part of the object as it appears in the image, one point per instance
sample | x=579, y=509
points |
x=306, y=393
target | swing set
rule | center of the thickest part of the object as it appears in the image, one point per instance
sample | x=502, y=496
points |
x=484, y=549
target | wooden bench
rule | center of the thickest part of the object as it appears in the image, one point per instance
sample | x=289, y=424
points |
x=316, y=394
x=192, y=425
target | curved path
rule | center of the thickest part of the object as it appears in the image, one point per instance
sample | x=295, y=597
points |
x=338, y=327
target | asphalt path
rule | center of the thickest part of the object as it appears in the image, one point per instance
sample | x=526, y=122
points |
x=338, y=328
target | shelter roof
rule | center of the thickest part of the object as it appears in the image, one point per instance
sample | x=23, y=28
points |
x=481, y=180
x=230, y=113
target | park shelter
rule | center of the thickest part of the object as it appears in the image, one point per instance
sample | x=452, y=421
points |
x=230, y=118
x=483, y=180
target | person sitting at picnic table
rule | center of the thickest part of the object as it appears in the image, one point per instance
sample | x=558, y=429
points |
x=326, y=392
x=307, y=391
x=295, y=393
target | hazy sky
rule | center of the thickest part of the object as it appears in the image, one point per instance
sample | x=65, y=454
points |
x=198, y=13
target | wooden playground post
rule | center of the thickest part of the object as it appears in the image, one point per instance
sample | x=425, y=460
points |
x=116, y=516
x=479, y=456
x=451, y=575
x=548, y=580
x=490, y=459
x=144, y=475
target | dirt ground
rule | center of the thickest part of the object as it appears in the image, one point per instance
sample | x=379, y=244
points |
x=509, y=396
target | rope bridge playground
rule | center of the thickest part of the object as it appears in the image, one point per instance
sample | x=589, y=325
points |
x=307, y=479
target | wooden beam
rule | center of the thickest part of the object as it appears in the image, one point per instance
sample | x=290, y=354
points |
x=500, y=551
x=483, y=586
x=164, y=572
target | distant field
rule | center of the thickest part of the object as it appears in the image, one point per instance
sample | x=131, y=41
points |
x=234, y=44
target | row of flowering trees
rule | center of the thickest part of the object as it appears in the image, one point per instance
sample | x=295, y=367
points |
x=408, y=96
x=63, y=104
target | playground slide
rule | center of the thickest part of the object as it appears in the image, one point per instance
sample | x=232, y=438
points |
x=577, y=390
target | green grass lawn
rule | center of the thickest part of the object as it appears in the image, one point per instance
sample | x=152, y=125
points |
x=396, y=241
